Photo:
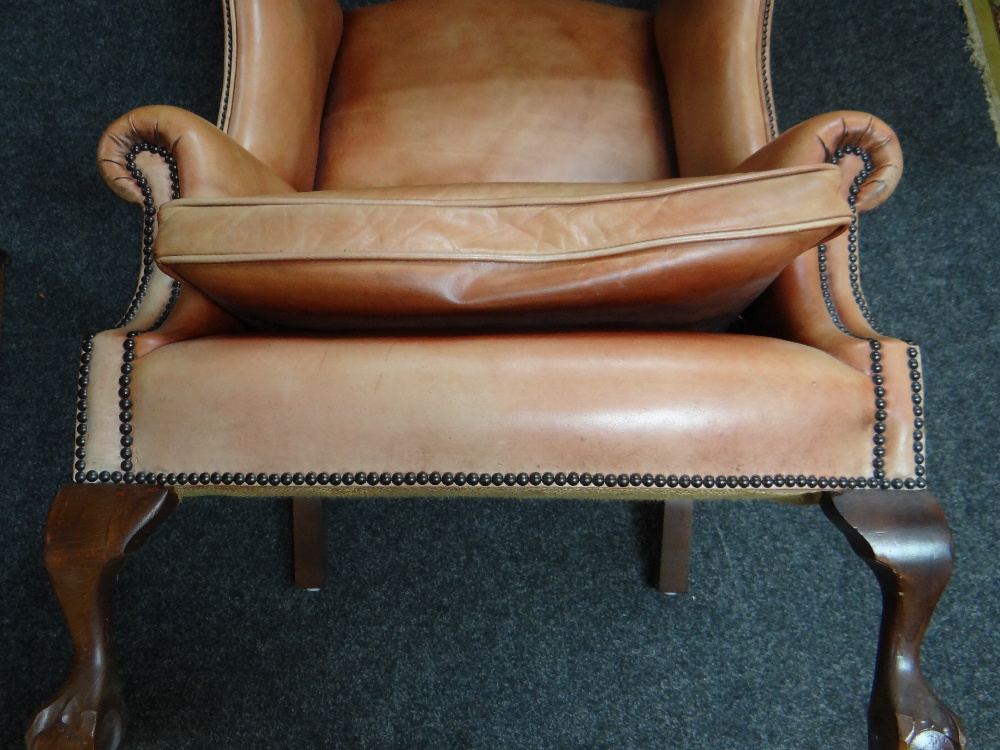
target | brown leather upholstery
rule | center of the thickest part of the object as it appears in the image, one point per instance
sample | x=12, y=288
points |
x=455, y=91
x=514, y=403
x=272, y=103
x=446, y=143
x=716, y=64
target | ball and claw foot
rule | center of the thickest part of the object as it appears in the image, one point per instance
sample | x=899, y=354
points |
x=79, y=718
x=939, y=729
x=905, y=539
x=92, y=529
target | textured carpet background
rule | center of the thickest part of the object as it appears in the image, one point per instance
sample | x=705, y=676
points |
x=495, y=624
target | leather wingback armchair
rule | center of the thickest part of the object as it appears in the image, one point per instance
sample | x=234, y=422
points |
x=499, y=248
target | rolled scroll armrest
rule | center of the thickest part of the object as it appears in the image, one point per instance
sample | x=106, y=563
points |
x=193, y=154
x=853, y=140
x=154, y=154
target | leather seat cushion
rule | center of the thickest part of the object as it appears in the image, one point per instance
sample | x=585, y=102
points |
x=679, y=254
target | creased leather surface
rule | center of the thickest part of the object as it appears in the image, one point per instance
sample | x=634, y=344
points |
x=676, y=253
x=672, y=403
x=453, y=91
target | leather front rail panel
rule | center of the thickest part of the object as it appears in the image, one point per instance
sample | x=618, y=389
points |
x=661, y=403
x=678, y=254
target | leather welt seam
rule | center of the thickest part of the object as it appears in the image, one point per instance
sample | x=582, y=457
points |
x=740, y=234
x=229, y=82
x=513, y=202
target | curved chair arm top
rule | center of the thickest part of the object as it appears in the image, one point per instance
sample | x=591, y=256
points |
x=833, y=137
x=208, y=162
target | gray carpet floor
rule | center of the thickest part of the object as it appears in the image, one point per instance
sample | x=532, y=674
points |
x=496, y=624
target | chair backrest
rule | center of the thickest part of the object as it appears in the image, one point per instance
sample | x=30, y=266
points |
x=459, y=91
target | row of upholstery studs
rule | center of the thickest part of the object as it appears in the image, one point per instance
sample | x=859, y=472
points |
x=913, y=354
x=852, y=230
x=852, y=233
x=125, y=381
x=473, y=479
x=881, y=415
x=765, y=78
x=149, y=216
x=878, y=437
x=148, y=231
x=82, y=386
x=916, y=396
x=875, y=354
x=230, y=72
x=128, y=344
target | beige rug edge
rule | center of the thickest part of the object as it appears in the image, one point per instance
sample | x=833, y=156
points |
x=984, y=46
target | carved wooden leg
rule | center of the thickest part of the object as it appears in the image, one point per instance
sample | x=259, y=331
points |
x=309, y=542
x=904, y=537
x=90, y=531
x=675, y=546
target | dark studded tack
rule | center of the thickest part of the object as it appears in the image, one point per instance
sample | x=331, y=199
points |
x=82, y=384
x=916, y=387
x=459, y=479
x=224, y=109
x=878, y=478
x=128, y=343
x=149, y=218
x=765, y=78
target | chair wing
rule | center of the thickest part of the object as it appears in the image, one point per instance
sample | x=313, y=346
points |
x=279, y=54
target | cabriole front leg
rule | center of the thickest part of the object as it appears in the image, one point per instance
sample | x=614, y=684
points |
x=91, y=530
x=905, y=538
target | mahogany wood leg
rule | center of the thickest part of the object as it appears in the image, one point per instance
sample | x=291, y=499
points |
x=675, y=546
x=905, y=538
x=309, y=542
x=92, y=529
